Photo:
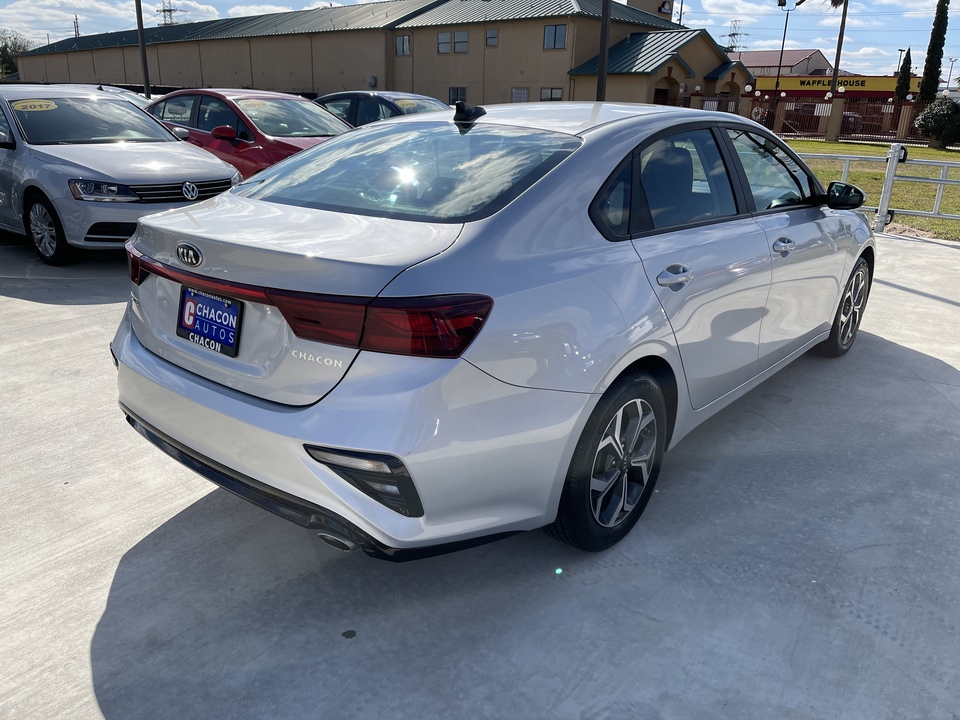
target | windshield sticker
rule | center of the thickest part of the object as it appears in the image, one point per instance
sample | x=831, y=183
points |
x=405, y=104
x=254, y=104
x=33, y=105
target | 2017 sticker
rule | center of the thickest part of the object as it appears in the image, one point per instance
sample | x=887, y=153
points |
x=33, y=105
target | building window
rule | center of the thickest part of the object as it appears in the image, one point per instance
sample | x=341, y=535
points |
x=554, y=37
x=551, y=94
x=460, y=41
x=403, y=44
x=443, y=43
x=457, y=93
x=519, y=94
x=493, y=38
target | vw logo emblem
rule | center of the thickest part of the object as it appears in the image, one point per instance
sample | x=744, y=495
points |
x=190, y=191
x=189, y=254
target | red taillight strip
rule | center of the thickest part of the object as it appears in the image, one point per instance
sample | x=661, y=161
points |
x=434, y=326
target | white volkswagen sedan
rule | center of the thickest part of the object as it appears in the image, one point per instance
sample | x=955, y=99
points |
x=437, y=330
x=79, y=167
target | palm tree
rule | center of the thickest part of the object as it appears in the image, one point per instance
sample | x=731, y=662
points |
x=843, y=24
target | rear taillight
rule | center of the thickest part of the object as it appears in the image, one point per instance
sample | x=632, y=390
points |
x=440, y=326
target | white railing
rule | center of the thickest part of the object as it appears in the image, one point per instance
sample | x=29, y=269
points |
x=884, y=213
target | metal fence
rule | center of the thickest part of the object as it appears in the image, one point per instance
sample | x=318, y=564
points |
x=897, y=157
x=881, y=121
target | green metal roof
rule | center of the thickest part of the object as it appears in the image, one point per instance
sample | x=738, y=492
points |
x=366, y=16
x=461, y=12
x=725, y=68
x=643, y=53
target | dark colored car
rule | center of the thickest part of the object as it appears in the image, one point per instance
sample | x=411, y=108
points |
x=359, y=107
x=250, y=129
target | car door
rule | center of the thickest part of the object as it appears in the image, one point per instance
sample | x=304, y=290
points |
x=807, y=243
x=705, y=257
x=244, y=153
x=8, y=214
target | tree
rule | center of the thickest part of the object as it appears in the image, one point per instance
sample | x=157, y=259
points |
x=12, y=44
x=843, y=25
x=931, y=68
x=903, y=79
x=941, y=123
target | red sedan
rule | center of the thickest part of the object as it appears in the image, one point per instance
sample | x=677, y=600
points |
x=250, y=129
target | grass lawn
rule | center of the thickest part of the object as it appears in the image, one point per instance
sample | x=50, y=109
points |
x=868, y=176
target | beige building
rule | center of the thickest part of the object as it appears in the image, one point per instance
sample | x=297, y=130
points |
x=484, y=51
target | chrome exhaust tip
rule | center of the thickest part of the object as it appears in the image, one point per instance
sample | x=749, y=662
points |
x=337, y=542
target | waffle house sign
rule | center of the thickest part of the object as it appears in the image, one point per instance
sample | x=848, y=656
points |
x=858, y=86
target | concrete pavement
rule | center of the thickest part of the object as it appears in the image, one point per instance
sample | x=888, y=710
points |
x=799, y=560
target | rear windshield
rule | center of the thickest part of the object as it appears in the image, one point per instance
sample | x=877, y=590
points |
x=74, y=121
x=280, y=117
x=419, y=105
x=415, y=171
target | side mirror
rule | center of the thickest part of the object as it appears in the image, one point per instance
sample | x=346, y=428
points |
x=224, y=132
x=841, y=196
x=181, y=132
x=5, y=141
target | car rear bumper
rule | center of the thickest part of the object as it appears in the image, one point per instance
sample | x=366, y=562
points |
x=486, y=458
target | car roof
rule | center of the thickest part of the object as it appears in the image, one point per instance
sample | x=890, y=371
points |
x=27, y=91
x=389, y=94
x=236, y=93
x=575, y=118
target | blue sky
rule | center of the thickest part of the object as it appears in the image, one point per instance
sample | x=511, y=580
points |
x=875, y=31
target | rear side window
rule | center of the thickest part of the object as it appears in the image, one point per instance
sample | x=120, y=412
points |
x=684, y=180
x=415, y=171
x=612, y=207
x=775, y=179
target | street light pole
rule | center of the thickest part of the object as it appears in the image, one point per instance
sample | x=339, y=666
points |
x=950, y=74
x=143, y=51
x=899, y=59
x=783, y=4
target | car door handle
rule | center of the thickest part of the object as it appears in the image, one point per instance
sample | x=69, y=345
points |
x=675, y=276
x=784, y=245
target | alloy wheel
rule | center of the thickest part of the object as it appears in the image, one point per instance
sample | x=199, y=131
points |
x=852, y=306
x=43, y=231
x=623, y=463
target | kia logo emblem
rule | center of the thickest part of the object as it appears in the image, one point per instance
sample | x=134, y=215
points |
x=188, y=254
x=190, y=191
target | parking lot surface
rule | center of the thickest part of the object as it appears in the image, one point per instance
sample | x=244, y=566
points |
x=799, y=559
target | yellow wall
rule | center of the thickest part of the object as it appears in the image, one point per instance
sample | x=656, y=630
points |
x=225, y=63
x=347, y=59
x=179, y=65
x=293, y=72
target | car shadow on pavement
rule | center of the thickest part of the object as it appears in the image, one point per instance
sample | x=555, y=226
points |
x=768, y=562
x=97, y=277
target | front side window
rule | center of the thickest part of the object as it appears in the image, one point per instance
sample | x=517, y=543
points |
x=554, y=37
x=493, y=37
x=176, y=110
x=460, y=41
x=548, y=94
x=443, y=43
x=339, y=107
x=82, y=121
x=425, y=171
x=403, y=44
x=458, y=93
x=775, y=179
x=214, y=113
x=4, y=129
x=684, y=180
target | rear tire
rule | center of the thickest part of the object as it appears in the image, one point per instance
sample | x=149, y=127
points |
x=846, y=323
x=46, y=233
x=614, y=467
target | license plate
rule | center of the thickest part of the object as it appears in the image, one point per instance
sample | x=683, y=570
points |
x=210, y=321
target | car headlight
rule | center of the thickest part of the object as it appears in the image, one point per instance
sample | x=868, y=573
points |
x=235, y=179
x=101, y=191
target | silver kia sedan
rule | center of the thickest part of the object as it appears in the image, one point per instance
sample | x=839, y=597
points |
x=437, y=330
x=79, y=167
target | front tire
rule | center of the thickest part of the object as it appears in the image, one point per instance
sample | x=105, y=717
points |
x=45, y=231
x=846, y=323
x=614, y=467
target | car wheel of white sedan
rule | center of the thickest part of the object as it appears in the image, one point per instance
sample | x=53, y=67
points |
x=846, y=324
x=614, y=467
x=46, y=232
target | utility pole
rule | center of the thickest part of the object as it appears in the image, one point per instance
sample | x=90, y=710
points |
x=76, y=26
x=735, y=36
x=604, y=51
x=166, y=12
x=143, y=50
